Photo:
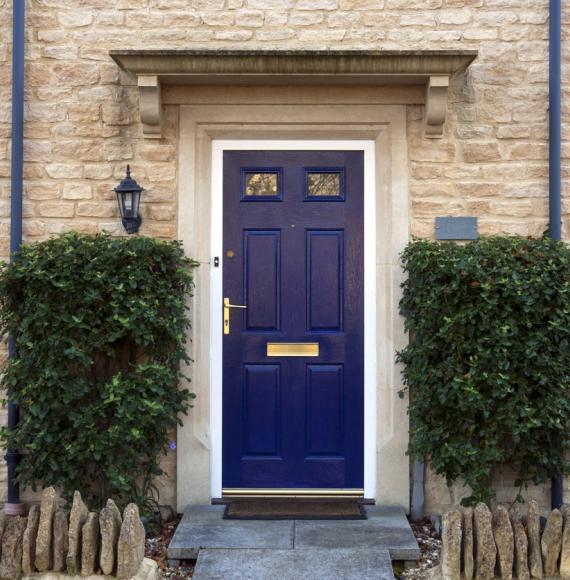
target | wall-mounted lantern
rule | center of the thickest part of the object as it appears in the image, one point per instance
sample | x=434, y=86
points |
x=129, y=196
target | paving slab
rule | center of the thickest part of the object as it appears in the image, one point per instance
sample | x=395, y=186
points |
x=386, y=527
x=203, y=527
x=313, y=564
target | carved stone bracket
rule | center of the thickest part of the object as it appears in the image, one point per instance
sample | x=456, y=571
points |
x=436, y=105
x=150, y=104
x=430, y=68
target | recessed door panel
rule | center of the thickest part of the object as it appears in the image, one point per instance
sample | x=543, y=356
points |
x=325, y=280
x=262, y=410
x=325, y=385
x=263, y=279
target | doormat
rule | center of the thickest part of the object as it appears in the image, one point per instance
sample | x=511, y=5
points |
x=294, y=510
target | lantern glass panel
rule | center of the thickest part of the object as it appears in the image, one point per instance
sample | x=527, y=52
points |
x=128, y=201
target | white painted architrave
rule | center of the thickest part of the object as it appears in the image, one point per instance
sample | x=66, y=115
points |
x=216, y=294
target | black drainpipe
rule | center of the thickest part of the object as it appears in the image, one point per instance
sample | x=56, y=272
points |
x=555, y=221
x=13, y=505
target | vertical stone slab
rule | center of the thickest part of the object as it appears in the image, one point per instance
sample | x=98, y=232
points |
x=2, y=528
x=29, y=540
x=468, y=543
x=451, y=545
x=60, y=540
x=12, y=541
x=521, y=548
x=90, y=545
x=77, y=519
x=504, y=540
x=551, y=543
x=565, y=556
x=533, y=527
x=45, y=530
x=485, y=543
x=130, y=551
x=110, y=522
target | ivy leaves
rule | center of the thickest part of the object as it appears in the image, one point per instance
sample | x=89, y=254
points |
x=100, y=327
x=488, y=366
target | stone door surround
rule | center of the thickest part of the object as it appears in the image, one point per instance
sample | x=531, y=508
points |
x=316, y=113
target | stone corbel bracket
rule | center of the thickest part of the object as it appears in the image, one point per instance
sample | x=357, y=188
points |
x=430, y=68
x=150, y=104
x=436, y=105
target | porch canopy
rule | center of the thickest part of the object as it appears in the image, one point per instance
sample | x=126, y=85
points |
x=430, y=68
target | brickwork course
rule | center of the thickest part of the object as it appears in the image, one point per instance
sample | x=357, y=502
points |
x=82, y=124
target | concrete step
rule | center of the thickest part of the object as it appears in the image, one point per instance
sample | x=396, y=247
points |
x=297, y=564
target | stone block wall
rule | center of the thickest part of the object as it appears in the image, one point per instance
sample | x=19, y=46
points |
x=81, y=111
x=478, y=543
x=439, y=498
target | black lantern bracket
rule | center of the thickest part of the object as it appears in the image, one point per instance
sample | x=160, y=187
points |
x=128, y=196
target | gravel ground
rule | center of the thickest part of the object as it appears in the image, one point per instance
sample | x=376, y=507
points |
x=156, y=545
x=429, y=544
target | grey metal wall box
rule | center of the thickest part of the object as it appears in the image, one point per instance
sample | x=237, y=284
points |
x=456, y=228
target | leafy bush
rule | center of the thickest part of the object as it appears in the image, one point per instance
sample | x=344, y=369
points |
x=488, y=366
x=100, y=327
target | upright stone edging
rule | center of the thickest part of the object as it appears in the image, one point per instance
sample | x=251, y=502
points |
x=521, y=548
x=29, y=540
x=551, y=543
x=90, y=545
x=60, y=541
x=77, y=519
x=2, y=528
x=486, y=550
x=44, y=537
x=533, y=527
x=110, y=522
x=47, y=527
x=451, y=546
x=130, y=549
x=12, y=541
x=504, y=540
x=565, y=555
x=468, y=564
x=501, y=544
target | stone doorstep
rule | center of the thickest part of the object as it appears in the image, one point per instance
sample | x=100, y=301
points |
x=316, y=564
x=203, y=534
x=147, y=571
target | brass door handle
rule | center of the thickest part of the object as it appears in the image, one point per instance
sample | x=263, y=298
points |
x=227, y=307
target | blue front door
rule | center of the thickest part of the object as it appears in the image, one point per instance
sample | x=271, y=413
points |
x=293, y=376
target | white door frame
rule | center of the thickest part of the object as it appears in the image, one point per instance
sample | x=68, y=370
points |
x=216, y=294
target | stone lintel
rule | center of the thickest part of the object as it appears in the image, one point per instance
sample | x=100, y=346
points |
x=432, y=68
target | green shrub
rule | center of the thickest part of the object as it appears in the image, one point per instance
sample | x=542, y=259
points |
x=100, y=327
x=488, y=366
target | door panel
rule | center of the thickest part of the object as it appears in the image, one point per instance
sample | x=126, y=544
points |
x=325, y=386
x=262, y=276
x=262, y=410
x=325, y=280
x=295, y=259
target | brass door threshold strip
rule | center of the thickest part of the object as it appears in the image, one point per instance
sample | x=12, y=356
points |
x=313, y=493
